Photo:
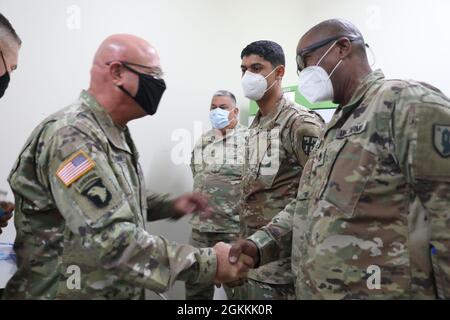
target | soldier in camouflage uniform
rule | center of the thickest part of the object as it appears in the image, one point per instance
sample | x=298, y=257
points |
x=371, y=219
x=81, y=202
x=216, y=163
x=9, y=53
x=280, y=140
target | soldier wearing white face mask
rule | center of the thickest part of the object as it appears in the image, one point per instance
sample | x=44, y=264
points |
x=280, y=140
x=374, y=195
x=314, y=81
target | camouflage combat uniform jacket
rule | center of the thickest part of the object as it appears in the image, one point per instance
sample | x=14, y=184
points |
x=217, y=165
x=372, y=215
x=278, y=148
x=81, y=207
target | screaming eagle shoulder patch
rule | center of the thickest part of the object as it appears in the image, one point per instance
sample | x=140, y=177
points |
x=74, y=168
x=441, y=139
x=98, y=194
x=308, y=144
x=94, y=189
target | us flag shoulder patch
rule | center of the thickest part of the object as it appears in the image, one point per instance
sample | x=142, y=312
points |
x=74, y=168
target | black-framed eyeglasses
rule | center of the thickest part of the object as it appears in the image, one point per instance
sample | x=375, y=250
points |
x=301, y=64
x=156, y=73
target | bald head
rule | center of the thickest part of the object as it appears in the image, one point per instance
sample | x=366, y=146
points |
x=111, y=74
x=127, y=47
x=334, y=28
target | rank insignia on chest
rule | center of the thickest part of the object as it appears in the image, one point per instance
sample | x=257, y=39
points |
x=442, y=139
x=75, y=167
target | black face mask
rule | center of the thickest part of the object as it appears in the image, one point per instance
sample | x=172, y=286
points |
x=4, y=79
x=149, y=92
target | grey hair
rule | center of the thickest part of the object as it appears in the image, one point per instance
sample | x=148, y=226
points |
x=225, y=93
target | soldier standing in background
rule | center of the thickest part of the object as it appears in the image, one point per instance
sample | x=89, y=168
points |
x=217, y=163
x=280, y=140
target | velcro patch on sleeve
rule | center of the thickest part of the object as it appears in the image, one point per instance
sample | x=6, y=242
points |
x=431, y=155
x=76, y=166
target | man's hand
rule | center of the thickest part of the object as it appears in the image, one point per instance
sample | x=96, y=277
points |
x=243, y=246
x=229, y=273
x=7, y=208
x=240, y=248
x=190, y=203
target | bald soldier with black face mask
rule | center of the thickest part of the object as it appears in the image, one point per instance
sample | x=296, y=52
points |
x=81, y=200
x=371, y=218
x=9, y=53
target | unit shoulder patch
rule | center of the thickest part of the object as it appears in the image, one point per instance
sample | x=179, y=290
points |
x=92, y=187
x=308, y=144
x=441, y=137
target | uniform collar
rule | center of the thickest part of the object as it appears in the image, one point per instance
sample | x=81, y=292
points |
x=116, y=134
x=360, y=92
x=212, y=134
x=365, y=85
x=274, y=116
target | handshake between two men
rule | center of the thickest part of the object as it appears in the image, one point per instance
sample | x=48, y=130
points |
x=232, y=266
x=234, y=261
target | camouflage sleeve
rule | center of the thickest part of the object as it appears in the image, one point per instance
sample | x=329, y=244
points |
x=304, y=134
x=197, y=166
x=275, y=237
x=159, y=206
x=197, y=157
x=422, y=143
x=108, y=229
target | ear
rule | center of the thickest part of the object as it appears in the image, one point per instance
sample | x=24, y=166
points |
x=236, y=110
x=345, y=47
x=280, y=72
x=115, y=70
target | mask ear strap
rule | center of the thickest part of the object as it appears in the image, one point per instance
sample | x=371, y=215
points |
x=334, y=69
x=121, y=87
x=126, y=92
x=326, y=52
x=4, y=62
x=271, y=86
x=271, y=72
x=273, y=82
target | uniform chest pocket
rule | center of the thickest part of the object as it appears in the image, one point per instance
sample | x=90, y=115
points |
x=268, y=168
x=349, y=168
x=270, y=154
x=130, y=183
x=121, y=166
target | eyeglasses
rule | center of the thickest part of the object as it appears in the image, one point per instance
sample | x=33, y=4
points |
x=301, y=64
x=156, y=73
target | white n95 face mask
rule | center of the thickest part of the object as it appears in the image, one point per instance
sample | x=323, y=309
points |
x=219, y=118
x=315, y=84
x=255, y=85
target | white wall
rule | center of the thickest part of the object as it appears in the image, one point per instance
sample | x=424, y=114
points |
x=200, y=43
x=409, y=37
